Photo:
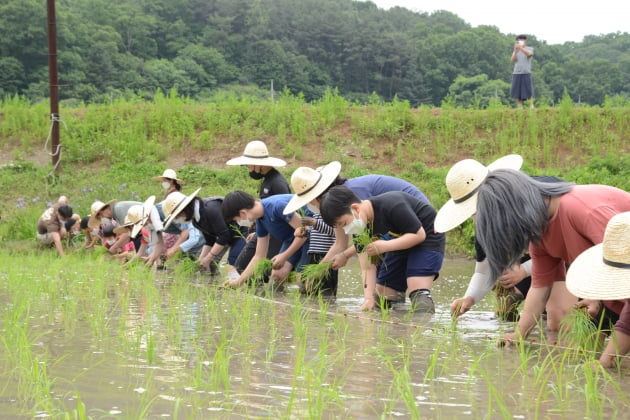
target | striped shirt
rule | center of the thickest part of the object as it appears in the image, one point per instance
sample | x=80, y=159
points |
x=322, y=236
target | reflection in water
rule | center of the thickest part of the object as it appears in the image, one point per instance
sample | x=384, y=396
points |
x=182, y=346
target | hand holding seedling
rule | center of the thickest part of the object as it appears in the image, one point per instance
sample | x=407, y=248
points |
x=593, y=307
x=367, y=305
x=461, y=306
x=512, y=276
x=375, y=248
x=278, y=261
x=508, y=340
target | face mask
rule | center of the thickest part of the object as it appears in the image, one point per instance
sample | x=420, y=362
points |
x=110, y=242
x=166, y=185
x=521, y=42
x=180, y=220
x=312, y=208
x=355, y=227
x=255, y=175
x=245, y=223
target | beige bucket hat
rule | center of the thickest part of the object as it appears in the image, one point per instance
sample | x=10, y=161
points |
x=462, y=182
x=95, y=208
x=174, y=204
x=168, y=175
x=602, y=272
x=138, y=214
x=256, y=153
x=309, y=184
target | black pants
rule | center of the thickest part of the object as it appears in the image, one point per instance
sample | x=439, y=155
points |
x=250, y=249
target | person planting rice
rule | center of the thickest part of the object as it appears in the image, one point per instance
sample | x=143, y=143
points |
x=558, y=220
x=101, y=212
x=601, y=275
x=462, y=182
x=206, y=216
x=267, y=213
x=403, y=227
x=260, y=166
x=51, y=225
x=311, y=184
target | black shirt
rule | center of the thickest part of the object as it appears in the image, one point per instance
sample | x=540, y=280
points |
x=397, y=213
x=212, y=225
x=273, y=183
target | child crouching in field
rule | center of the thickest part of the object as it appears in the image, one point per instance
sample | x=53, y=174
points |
x=402, y=226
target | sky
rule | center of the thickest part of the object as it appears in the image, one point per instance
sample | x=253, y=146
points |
x=554, y=21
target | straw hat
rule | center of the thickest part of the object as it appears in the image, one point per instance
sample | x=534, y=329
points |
x=603, y=271
x=168, y=175
x=309, y=184
x=138, y=214
x=256, y=153
x=95, y=208
x=174, y=204
x=462, y=181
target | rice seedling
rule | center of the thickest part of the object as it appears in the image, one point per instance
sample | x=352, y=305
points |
x=314, y=276
x=579, y=332
x=261, y=270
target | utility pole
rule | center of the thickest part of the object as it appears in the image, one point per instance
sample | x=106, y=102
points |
x=54, y=84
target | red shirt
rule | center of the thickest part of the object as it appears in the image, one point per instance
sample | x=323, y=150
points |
x=578, y=224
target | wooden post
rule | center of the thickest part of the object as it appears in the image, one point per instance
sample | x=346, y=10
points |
x=54, y=84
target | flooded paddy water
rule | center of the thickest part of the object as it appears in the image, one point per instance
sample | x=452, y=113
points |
x=87, y=338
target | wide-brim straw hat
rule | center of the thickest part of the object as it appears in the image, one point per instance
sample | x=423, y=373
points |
x=174, y=204
x=169, y=174
x=138, y=214
x=463, y=181
x=309, y=184
x=95, y=208
x=256, y=154
x=119, y=230
x=602, y=272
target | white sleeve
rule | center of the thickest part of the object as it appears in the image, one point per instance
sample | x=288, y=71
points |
x=156, y=221
x=480, y=283
x=527, y=266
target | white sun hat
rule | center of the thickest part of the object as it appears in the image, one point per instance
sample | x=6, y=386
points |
x=256, y=153
x=602, y=272
x=138, y=214
x=95, y=208
x=462, y=182
x=174, y=204
x=309, y=184
x=168, y=175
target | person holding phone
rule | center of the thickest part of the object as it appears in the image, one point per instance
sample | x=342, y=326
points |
x=522, y=84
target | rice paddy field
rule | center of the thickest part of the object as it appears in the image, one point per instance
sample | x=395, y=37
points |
x=87, y=338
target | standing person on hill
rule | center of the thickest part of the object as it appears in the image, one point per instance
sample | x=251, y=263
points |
x=558, y=220
x=51, y=225
x=522, y=84
x=261, y=166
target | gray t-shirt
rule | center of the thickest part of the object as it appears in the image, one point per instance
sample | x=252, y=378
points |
x=523, y=63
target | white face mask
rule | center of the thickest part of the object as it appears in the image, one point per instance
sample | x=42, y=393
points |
x=312, y=208
x=521, y=42
x=245, y=223
x=355, y=227
x=166, y=185
x=110, y=242
x=180, y=220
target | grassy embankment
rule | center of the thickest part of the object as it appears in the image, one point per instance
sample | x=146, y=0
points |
x=114, y=150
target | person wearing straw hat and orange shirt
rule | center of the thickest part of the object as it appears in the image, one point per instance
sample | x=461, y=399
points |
x=462, y=183
x=206, y=216
x=261, y=166
x=558, y=220
x=601, y=275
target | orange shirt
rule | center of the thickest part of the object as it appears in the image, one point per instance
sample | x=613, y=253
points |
x=578, y=224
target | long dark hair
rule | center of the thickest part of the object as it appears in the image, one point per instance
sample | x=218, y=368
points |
x=512, y=210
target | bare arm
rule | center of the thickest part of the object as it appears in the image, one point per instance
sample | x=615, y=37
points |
x=533, y=308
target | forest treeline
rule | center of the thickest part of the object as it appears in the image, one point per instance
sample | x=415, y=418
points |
x=201, y=48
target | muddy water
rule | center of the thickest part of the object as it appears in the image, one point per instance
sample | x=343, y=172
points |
x=195, y=352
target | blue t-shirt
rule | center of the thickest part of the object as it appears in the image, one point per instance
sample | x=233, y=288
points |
x=367, y=186
x=273, y=221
